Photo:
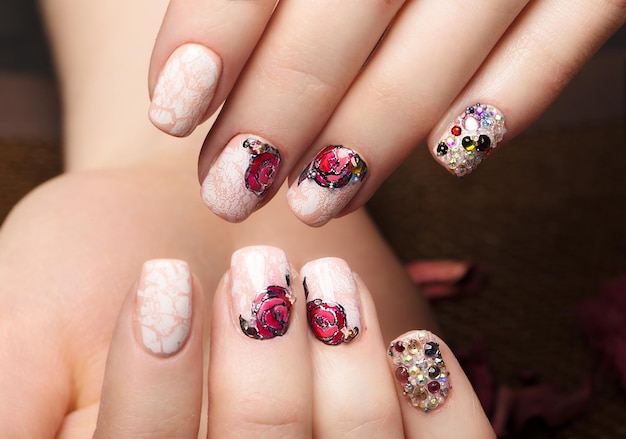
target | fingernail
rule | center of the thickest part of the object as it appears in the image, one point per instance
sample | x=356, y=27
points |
x=163, y=306
x=332, y=300
x=261, y=291
x=184, y=89
x=327, y=185
x=420, y=370
x=470, y=139
x=240, y=177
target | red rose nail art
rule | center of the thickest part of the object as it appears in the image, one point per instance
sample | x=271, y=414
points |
x=328, y=322
x=263, y=167
x=334, y=167
x=271, y=312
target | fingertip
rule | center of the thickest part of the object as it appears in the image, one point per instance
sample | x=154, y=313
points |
x=155, y=355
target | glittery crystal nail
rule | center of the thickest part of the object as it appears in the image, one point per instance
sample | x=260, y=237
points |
x=470, y=139
x=261, y=291
x=240, y=177
x=420, y=370
x=332, y=301
x=326, y=185
x=163, y=306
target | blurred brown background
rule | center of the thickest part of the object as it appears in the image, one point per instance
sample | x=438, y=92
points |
x=546, y=218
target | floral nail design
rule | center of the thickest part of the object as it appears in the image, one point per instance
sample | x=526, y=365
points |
x=263, y=167
x=334, y=167
x=420, y=370
x=271, y=312
x=328, y=322
x=240, y=177
x=471, y=138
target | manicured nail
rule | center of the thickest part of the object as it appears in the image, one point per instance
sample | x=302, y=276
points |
x=261, y=291
x=163, y=306
x=185, y=89
x=470, y=139
x=332, y=300
x=420, y=370
x=240, y=177
x=327, y=185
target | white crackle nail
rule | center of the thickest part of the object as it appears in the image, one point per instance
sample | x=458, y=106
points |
x=326, y=185
x=185, y=89
x=332, y=300
x=163, y=306
x=240, y=177
x=470, y=139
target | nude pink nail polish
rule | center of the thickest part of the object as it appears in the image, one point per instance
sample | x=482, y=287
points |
x=241, y=177
x=261, y=291
x=332, y=301
x=326, y=185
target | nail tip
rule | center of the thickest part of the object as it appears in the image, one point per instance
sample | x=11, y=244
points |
x=239, y=180
x=420, y=370
x=470, y=139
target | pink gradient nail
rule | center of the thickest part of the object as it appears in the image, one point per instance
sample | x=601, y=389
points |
x=261, y=291
x=185, y=89
x=163, y=306
x=332, y=300
x=240, y=177
x=326, y=185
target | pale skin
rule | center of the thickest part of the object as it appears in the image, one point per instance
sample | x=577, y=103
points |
x=312, y=65
x=72, y=250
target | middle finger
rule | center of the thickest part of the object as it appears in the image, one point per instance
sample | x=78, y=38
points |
x=305, y=62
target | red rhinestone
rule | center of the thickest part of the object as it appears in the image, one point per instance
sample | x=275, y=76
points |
x=433, y=386
x=402, y=375
x=398, y=346
x=456, y=130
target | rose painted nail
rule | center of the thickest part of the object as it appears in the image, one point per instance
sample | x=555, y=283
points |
x=261, y=291
x=332, y=300
x=163, y=306
x=326, y=185
x=470, y=139
x=240, y=177
x=185, y=89
x=420, y=370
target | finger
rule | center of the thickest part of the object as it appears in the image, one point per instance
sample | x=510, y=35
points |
x=529, y=68
x=259, y=370
x=153, y=380
x=199, y=52
x=354, y=393
x=437, y=400
x=429, y=53
x=306, y=61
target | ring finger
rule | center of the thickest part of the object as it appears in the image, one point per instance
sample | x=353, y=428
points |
x=353, y=393
x=427, y=56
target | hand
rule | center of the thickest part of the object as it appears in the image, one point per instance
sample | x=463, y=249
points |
x=270, y=373
x=305, y=76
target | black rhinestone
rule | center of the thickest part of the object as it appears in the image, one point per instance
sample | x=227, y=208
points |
x=434, y=372
x=442, y=149
x=471, y=110
x=467, y=142
x=483, y=143
x=431, y=349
